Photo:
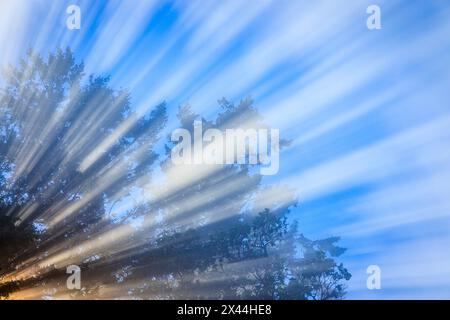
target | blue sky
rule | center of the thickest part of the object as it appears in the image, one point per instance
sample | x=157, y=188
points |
x=367, y=110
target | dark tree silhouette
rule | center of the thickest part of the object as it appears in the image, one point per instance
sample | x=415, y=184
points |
x=52, y=120
x=241, y=252
x=206, y=234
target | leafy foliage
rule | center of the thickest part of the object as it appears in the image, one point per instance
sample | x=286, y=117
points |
x=213, y=239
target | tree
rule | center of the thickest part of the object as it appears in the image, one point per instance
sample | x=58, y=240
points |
x=235, y=253
x=52, y=172
x=12, y=241
x=72, y=148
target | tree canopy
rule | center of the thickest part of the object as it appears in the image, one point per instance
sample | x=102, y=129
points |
x=78, y=186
